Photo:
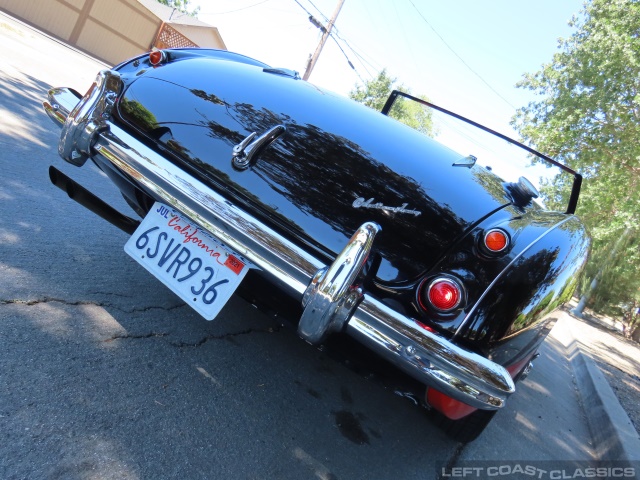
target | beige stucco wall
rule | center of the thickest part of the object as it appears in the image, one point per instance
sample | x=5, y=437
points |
x=111, y=30
x=117, y=29
x=54, y=17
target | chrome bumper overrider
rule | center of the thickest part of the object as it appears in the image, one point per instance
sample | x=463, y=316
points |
x=332, y=298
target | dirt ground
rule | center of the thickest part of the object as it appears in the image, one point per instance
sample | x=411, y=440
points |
x=618, y=358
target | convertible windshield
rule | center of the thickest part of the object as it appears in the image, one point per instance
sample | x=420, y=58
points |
x=476, y=144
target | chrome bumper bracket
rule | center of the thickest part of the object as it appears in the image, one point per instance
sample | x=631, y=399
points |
x=333, y=294
x=88, y=118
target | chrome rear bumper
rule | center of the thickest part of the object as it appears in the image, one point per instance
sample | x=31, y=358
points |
x=332, y=298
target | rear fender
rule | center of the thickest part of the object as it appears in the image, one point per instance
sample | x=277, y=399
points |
x=515, y=313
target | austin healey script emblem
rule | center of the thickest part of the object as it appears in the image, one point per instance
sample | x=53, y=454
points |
x=362, y=203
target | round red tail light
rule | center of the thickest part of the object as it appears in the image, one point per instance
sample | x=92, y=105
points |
x=444, y=294
x=496, y=240
x=156, y=57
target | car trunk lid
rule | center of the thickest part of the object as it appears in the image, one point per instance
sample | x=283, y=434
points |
x=336, y=164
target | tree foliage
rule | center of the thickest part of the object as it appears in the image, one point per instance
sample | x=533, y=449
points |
x=588, y=116
x=374, y=93
x=182, y=6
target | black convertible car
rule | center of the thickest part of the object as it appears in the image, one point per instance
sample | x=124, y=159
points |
x=246, y=176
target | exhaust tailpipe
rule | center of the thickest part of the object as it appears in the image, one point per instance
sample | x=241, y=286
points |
x=84, y=197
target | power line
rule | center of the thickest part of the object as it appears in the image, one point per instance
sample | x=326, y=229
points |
x=326, y=31
x=319, y=11
x=460, y=58
x=330, y=34
x=345, y=56
x=362, y=59
x=302, y=7
x=410, y=45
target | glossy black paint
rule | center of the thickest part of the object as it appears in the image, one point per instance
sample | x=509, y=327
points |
x=521, y=302
x=332, y=153
x=196, y=108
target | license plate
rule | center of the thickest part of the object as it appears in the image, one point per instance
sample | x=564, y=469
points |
x=195, y=266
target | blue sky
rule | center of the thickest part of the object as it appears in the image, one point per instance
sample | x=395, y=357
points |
x=447, y=50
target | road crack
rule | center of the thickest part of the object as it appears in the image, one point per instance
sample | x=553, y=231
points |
x=197, y=344
x=135, y=337
x=224, y=336
x=49, y=300
x=46, y=300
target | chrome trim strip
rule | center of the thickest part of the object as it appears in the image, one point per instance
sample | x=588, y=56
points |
x=429, y=358
x=291, y=267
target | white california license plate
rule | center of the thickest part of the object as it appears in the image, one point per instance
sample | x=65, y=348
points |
x=194, y=265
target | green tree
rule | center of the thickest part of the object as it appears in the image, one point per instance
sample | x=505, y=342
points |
x=588, y=116
x=182, y=6
x=374, y=94
x=139, y=114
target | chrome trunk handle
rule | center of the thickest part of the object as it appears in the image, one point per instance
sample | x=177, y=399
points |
x=245, y=151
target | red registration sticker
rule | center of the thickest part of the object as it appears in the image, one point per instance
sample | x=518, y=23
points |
x=234, y=264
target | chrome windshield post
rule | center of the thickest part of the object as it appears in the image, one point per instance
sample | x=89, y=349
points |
x=333, y=294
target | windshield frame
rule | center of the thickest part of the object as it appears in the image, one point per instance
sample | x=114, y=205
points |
x=577, y=178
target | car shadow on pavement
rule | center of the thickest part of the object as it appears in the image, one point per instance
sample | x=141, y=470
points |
x=543, y=420
x=20, y=124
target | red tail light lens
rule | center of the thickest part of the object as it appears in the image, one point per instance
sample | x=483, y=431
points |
x=156, y=57
x=443, y=294
x=496, y=240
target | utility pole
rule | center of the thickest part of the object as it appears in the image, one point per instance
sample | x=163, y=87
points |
x=326, y=31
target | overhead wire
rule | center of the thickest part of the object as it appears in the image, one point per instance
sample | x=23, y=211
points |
x=332, y=37
x=460, y=58
x=363, y=60
x=302, y=7
x=345, y=56
x=319, y=11
x=414, y=65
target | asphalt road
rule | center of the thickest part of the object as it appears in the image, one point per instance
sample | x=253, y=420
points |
x=106, y=374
